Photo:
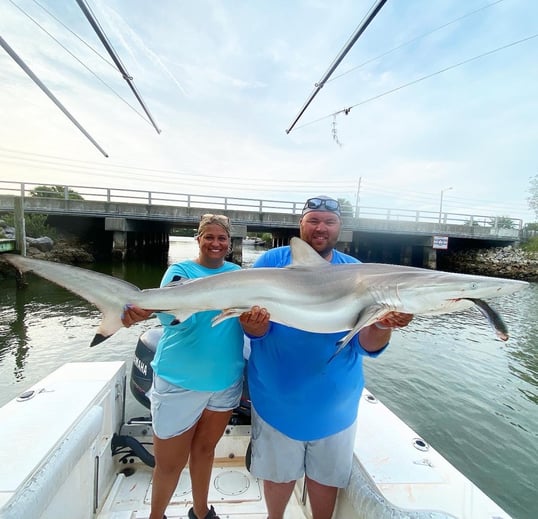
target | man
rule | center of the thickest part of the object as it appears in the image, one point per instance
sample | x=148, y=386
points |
x=305, y=407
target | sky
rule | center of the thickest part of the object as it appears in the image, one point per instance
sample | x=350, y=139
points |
x=442, y=100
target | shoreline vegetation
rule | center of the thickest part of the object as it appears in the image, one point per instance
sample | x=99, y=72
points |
x=505, y=262
x=508, y=262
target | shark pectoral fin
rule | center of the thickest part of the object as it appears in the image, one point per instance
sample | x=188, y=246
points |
x=368, y=316
x=344, y=341
x=228, y=313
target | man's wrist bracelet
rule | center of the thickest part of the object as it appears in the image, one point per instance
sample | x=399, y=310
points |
x=381, y=327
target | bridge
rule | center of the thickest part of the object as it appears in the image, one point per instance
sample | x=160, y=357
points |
x=135, y=219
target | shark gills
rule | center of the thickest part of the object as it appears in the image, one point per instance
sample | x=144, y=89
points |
x=310, y=294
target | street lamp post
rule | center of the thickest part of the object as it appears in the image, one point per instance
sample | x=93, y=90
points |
x=441, y=203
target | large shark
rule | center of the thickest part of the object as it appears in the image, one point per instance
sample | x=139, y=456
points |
x=310, y=294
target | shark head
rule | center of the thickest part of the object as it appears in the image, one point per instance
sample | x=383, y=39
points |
x=435, y=292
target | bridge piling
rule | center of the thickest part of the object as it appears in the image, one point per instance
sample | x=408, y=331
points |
x=378, y=234
x=20, y=229
x=119, y=245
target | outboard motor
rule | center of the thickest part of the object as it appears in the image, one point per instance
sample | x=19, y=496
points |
x=142, y=372
x=142, y=376
x=126, y=445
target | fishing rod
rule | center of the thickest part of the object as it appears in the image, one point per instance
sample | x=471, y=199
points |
x=121, y=67
x=51, y=96
x=355, y=36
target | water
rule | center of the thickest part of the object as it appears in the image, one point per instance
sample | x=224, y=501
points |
x=474, y=398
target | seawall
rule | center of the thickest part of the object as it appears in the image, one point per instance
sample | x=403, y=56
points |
x=506, y=262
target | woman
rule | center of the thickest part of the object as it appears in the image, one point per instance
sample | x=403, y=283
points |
x=197, y=379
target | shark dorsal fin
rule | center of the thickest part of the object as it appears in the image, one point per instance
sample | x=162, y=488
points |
x=305, y=256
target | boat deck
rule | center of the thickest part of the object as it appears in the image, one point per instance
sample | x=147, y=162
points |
x=233, y=491
x=84, y=462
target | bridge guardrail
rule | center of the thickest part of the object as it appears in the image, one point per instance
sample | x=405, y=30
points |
x=225, y=203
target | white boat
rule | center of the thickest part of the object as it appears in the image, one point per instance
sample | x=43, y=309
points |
x=62, y=457
x=253, y=241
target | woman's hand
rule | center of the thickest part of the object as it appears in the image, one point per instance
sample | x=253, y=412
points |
x=133, y=314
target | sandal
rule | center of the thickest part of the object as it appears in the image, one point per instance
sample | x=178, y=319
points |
x=210, y=515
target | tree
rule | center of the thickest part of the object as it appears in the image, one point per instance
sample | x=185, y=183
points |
x=472, y=223
x=502, y=222
x=35, y=225
x=345, y=207
x=533, y=199
x=54, y=192
x=531, y=226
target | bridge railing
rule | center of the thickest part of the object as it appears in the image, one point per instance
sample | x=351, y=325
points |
x=226, y=203
x=434, y=217
x=137, y=196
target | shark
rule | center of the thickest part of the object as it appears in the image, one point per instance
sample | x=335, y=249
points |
x=310, y=294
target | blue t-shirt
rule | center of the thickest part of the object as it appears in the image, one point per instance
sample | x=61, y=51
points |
x=292, y=385
x=193, y=354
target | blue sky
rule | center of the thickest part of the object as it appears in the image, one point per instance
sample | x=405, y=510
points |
x=223, y=80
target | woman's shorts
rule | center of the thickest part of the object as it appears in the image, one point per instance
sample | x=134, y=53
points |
x=278, y=458
x=175, y=409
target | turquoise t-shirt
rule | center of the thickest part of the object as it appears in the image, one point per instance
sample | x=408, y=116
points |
x=292, y=385
x=193, y=354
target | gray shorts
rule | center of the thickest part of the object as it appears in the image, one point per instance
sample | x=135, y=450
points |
x=175, y=409
x=278, y=458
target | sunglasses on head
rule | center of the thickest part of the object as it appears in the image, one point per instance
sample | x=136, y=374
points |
x=317, y=203
x=219, y=217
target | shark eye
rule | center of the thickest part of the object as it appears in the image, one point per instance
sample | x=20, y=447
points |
x=473, y=286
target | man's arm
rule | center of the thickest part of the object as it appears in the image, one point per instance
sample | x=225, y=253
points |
x=373, y=338
x=376, y=336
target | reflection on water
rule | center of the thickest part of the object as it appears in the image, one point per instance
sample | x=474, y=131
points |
x=13, y=330
x=473, y=397
x=43, y=326
x=522, y=314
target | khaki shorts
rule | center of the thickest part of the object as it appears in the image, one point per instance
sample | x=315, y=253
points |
x=278, y=458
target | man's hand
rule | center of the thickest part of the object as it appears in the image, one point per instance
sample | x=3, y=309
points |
x=394, y=320
x=255, y=322
x=132, y=314
x=375, y=337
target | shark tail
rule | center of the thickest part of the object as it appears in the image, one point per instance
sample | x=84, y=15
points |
x=107, y=293
x=98, y=339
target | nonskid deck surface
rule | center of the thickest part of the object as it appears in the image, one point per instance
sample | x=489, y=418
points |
x=233, y=492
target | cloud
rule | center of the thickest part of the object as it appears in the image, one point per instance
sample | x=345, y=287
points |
x=224, y=83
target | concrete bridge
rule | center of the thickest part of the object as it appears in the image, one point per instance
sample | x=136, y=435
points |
x=131, y=222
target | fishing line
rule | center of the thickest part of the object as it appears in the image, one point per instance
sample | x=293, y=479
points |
x=78, y=60
x=74, y=34
x=416, y=38
x=346, y=111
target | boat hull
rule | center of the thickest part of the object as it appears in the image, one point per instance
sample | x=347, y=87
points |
x=64, y=440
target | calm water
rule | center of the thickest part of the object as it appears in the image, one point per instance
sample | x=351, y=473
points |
x=474, y=398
